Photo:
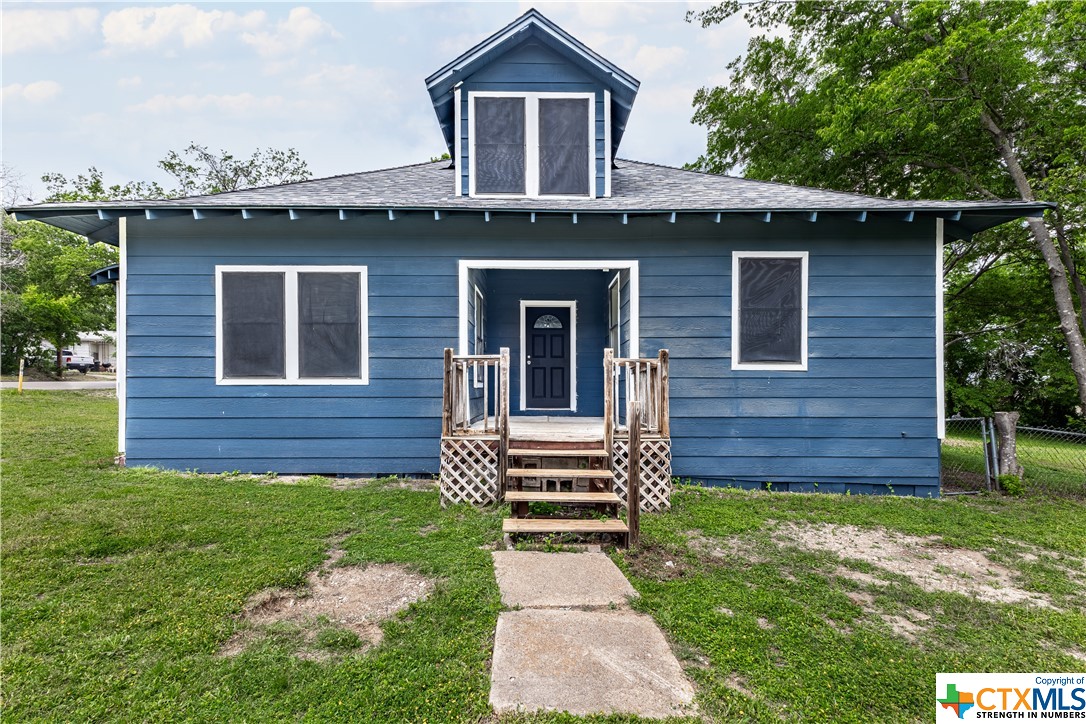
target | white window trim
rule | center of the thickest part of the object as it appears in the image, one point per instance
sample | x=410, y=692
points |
x=618, y=329
x=480, y=303
x=291, y=323
x=766, y=366
x=607, y=143
x=572, y=304
x=531, y=142
x=457, y=163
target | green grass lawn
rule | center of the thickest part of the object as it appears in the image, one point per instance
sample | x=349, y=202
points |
x=121, y=585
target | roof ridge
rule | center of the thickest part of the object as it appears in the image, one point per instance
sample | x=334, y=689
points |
x=299, y=183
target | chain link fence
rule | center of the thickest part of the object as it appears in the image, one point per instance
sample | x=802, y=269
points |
x=966, y=456
x=1053, y=460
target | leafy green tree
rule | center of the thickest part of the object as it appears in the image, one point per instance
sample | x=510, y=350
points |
x=196, y=171
x=46, y=294
x=922, y=99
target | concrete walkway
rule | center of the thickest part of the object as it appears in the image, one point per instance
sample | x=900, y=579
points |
x=574, y=645
x=62, y=385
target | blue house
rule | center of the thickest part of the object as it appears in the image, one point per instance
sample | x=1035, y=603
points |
x=768, y=333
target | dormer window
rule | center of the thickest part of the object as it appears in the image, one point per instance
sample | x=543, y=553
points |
x=532, y=144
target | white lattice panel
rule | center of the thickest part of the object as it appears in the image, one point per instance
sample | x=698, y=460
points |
x=469, y=471
x=655, y=473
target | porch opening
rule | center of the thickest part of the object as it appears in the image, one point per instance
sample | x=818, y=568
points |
x=556, y=317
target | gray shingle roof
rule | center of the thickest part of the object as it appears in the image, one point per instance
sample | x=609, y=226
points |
x=635, y=186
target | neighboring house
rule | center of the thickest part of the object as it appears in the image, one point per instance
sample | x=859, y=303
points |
x=300, y=328
x=98, y=346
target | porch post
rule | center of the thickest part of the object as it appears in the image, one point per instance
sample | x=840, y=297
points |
x=446, y=395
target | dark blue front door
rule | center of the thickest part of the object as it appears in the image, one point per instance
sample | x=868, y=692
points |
x=547, y=357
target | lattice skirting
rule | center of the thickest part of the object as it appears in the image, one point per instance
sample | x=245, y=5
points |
x=469, y=471
x=655, y=473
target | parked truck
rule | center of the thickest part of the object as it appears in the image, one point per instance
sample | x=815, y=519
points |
x=73, y=361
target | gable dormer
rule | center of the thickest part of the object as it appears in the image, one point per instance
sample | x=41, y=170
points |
x=532, y=112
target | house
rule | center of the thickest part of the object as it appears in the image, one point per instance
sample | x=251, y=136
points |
x=301, y=328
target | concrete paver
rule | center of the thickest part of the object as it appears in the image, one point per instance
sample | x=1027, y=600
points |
x=531, y=579
x=586, y=662
x=575, y=646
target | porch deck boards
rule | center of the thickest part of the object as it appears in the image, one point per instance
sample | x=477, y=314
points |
x=556, y=429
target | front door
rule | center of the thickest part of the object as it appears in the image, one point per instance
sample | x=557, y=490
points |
x=547, y=357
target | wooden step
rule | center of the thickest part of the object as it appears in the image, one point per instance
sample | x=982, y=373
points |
x=559, y=525
x=561, y=453
x=522, y=496
x=558, y=473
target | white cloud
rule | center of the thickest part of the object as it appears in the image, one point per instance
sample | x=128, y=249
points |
x=651, y=59
x=149, y=28
x=130, y=82
x=238, y=104
x=37, y=92
x=25, y=30
x=301, y=27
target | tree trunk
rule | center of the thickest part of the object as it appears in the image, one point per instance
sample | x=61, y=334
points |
x=1057, y=273
x=1072, y=270
x=1006, y=424
x=60, y=361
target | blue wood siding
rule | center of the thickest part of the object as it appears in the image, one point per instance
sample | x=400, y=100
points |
x=533, y=68
x=588, y=289
x=863, y=417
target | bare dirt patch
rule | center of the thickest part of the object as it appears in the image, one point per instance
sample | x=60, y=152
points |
x=928, y=562
x=336, y=602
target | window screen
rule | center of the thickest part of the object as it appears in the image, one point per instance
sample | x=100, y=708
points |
x=253, y=325
x=329, y=310
x=563, y=146
x=770, y=309
x=499, y=146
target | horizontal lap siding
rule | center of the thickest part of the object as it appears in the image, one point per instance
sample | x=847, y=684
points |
x=864, y=412
x=862, y=415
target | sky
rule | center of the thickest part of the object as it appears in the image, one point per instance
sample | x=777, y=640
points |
x=117, y=86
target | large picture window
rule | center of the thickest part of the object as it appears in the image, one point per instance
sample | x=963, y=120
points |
x=291, y=325
x=769, y=310
x=532, y=144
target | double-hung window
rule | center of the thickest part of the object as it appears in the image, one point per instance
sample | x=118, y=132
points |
x=532, y=144
x=769, y=310
x=291, y=325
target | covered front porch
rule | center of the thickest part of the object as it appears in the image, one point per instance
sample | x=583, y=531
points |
x=622, y=458
x=556, y=317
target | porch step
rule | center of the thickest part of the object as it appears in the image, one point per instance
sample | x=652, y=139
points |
x=560, y=453
x=559, y=525
x=528, y=496
x=558, y=473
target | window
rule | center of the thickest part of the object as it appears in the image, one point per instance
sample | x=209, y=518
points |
x=532, y=144
x=614, y=315
x=291, y=325
x=769, y=310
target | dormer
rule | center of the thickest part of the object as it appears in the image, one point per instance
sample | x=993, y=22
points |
x=531, y=112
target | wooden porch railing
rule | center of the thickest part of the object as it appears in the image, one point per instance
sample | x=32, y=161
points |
x=475, y=401
x=643, y=380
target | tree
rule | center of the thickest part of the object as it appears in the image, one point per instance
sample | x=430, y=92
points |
x=46, y=293
x=195, y=170
x=934, y=99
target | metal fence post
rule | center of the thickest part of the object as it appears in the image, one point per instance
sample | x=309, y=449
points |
x=984, y=431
